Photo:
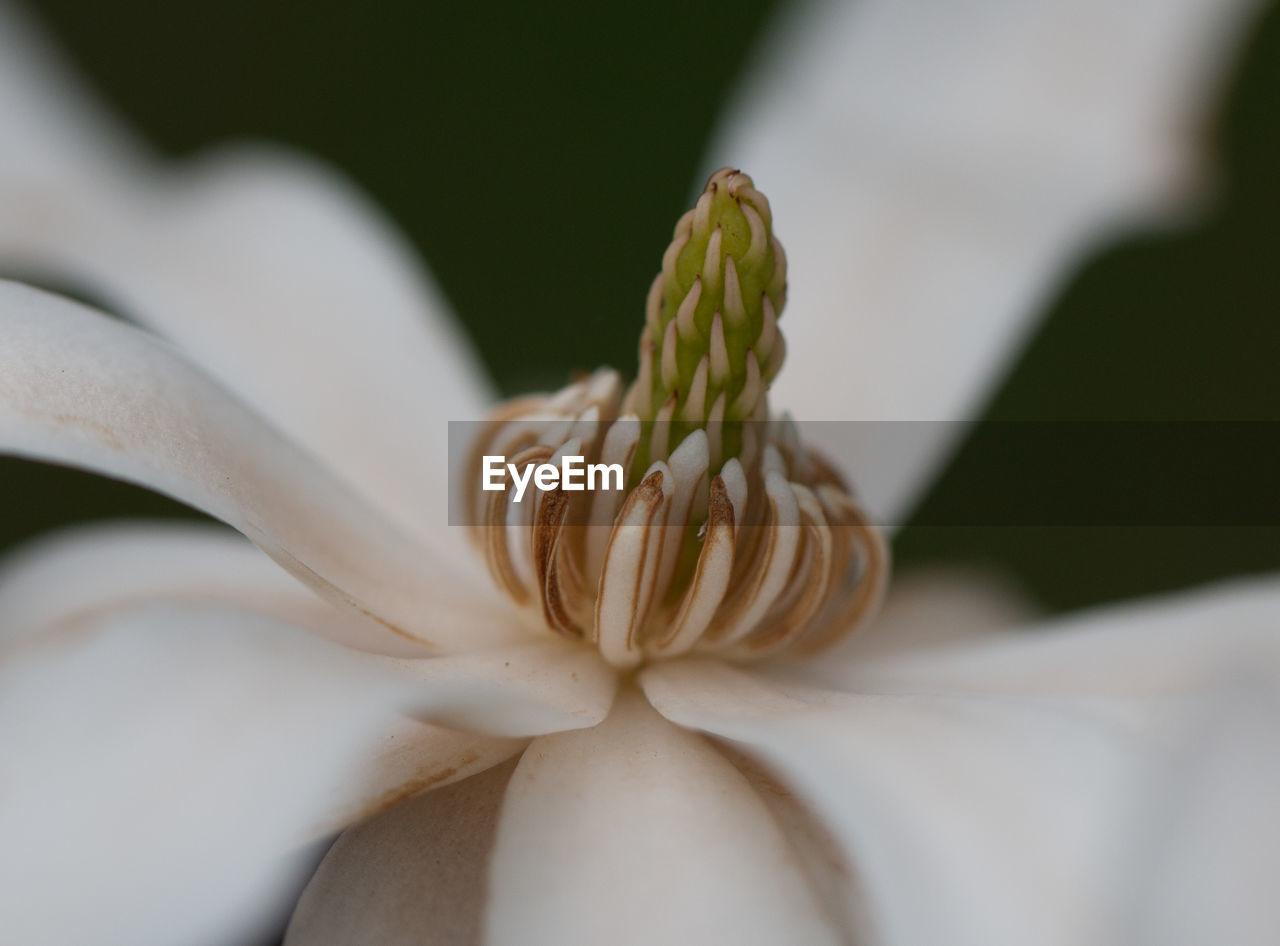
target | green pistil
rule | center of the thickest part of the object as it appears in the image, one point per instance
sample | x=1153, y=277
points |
x=711, y=346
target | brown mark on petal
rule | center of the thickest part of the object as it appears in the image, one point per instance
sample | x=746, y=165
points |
x=822, y=858
x=308, y=576
x=429, y=777
x=109, y=437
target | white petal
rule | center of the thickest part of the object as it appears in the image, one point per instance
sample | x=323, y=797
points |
x=56, y=146
x=528, y=690
x=833, y=876
x=636, y=832
x=932, y=608
x=167, y=780
x=1207, y=852
x=1148, y=648
x=935, y=170
x=63, y=587
x=271, y=271
x=984, y=796
x=54, y=586
x=414, y=874
x=79, y=388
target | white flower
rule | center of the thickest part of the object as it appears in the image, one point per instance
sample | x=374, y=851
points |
x=177, y=747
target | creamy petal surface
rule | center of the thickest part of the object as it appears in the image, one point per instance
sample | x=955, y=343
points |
x=170, y=772
x=415, y=874
x=638, y=832
x=994, y=783
x=55, y=585
x=931, y=608
x=80, y=388
x=1208, y=849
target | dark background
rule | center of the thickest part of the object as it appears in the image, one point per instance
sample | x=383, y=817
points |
x=569, y=135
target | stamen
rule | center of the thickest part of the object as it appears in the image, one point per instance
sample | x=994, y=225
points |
x=630, y=569
x=710, y=580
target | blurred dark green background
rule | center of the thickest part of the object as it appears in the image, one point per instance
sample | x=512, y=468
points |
x=567, y=136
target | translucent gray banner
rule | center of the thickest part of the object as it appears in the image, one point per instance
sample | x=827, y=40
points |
x=1000, y=473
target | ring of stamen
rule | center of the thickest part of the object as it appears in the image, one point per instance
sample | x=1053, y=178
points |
x=786, y=559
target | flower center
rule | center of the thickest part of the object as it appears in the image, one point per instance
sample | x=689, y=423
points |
x=725, y=535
